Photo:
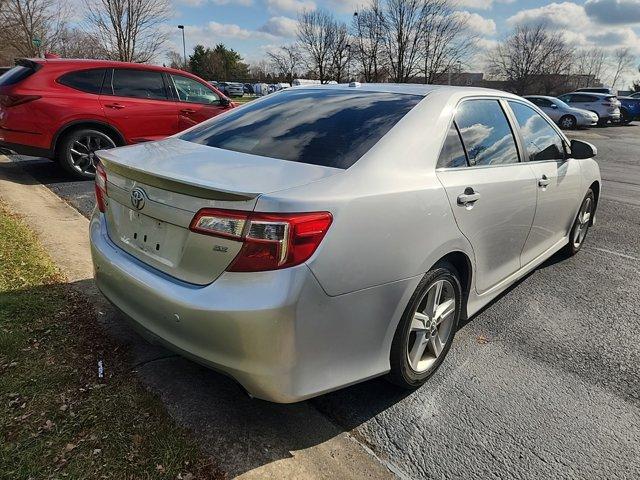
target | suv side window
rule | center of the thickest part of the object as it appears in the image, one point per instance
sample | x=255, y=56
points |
x=541, y=140
x=89, y=81
x=138, y=84
x=452, y=154
x=582, y=98
x=191, y=91
x=486, y=133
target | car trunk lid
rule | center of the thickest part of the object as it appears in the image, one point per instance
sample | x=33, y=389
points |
x=155, y=189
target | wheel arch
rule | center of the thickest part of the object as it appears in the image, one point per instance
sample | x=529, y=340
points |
x=96, y=124
x=595, y=188
x=463, y=265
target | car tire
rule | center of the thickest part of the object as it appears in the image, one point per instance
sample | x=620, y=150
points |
x=76, y=152
x=568, y=122
x=422, y=340
x=584, y=219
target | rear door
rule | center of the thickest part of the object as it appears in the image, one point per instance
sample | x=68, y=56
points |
x=137, y=102
x=492, y=194
x=196, y=102
x=557, y=180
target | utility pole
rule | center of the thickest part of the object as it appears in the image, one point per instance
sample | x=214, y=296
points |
x=184, y=47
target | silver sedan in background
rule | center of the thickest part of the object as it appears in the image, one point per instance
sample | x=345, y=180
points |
x=324, y=235
x=565, y=116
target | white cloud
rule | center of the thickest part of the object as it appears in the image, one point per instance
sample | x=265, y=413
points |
x=477, y=23
x=479, y=4
x=281, y=27
x=291, y=5
x=244, y=3
x=560, y=15
x=613, y=12
x=227, y=30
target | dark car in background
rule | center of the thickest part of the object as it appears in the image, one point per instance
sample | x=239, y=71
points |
x=4, y=70
x=629, y=109
x=68, y=109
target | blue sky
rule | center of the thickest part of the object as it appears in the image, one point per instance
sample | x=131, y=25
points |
x=253, y=26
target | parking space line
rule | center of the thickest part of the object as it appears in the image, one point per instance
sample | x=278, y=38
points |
x=618, y=254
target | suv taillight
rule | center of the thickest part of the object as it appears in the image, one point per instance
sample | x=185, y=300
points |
x=100, y=187
x=270, y=240
x=14, y=100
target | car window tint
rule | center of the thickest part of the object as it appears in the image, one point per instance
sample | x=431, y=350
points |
x=15, y=75
x=332, y=128
x=582, y=98
x=486, y=133
x=541, y=140
x=452, y=154
x=543, y=102
x=89, y=81
x=192, y=91
x=138, y=84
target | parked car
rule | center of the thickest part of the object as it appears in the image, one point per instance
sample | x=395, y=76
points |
x=629, y=109
x=635, y=95
x=248, y=89
x=605, y=90
x=232, y=89
x=215, y=84
x=561, y=113
x=303, y=249
x=606, y=106
x=67, y=109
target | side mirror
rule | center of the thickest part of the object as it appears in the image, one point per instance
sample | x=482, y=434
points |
x=553, y=105
x=580, y=149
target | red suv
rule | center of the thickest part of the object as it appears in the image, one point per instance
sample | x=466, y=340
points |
x=67, y=109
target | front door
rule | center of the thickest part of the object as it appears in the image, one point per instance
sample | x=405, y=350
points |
x=557, y=181
x=137, y=103
x=493, y=195
x=196, y=101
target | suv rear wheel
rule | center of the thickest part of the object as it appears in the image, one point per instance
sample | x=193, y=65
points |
x=77, y=151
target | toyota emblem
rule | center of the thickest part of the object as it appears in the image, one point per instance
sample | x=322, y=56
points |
x=137, y=198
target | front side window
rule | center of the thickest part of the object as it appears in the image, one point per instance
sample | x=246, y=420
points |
x=542, y=142
x=332, y=128
x=89, y=81
x=138, y=84
x=486, y=133
x=191, y=91
x=452, y=154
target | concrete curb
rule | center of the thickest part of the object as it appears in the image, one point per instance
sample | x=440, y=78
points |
x=64, y=233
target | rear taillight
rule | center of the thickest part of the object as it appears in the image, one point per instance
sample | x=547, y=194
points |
x=14, y=100
x=100, y=187
x=270, y=240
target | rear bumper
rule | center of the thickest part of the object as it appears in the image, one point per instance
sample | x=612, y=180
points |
x=277, y=333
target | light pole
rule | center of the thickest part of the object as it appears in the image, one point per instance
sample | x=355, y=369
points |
x=184, y=48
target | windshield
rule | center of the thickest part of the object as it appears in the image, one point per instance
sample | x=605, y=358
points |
x=332, y=128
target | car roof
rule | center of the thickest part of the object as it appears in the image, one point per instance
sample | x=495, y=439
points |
x=408, y=88
x=596, y=94
x=548, y=97
x=87, y=63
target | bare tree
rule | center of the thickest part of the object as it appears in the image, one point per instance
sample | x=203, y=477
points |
x=129, y=30
x=340, y=53
x=31, y=27
x=76, y=43
x=402, y=27
x=446, y=39
x=527, y=55
x=623, y=59
x=367, y=45
x=590, y=64
x=286, y=60
x=316, y=37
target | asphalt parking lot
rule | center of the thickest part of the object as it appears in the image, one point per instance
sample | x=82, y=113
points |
x=543, y=383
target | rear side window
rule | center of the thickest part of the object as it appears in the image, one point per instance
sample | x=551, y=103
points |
x=89, y=81
x=486, y=133
x=15, y=75
x=452, y=154
x=582, y=98
x=332, y=128
x=541, y=140
x=138, y=84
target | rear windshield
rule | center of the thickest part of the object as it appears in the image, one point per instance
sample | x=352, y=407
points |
x=319, y=127
x=15, y=75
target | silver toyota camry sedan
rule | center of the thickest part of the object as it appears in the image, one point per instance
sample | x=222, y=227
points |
x=326, y=235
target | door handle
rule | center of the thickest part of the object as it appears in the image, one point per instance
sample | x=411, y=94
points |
x=115, y=106
x=544, y=181
x=469, y=197
x=187, y=111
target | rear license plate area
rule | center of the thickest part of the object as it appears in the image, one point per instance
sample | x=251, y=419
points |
x=144, y=233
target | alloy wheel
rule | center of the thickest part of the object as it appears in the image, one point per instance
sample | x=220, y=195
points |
x=431, y=326
x=82, y=152
x=582, y=222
